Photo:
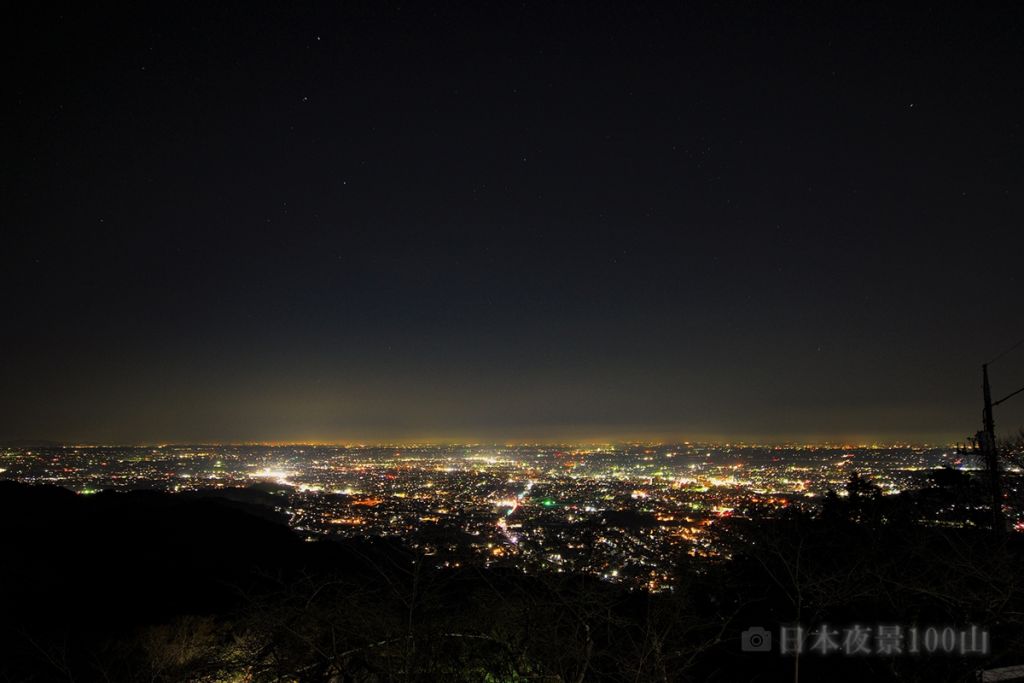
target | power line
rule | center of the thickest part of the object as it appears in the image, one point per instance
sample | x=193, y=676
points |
x=1012, y=348
x=995, y=403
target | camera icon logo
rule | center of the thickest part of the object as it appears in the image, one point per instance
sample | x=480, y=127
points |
x=756, y=639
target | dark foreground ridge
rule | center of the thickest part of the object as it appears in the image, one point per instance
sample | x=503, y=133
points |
x=162, y=587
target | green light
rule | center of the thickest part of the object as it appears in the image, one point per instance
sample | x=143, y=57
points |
x=548, y=503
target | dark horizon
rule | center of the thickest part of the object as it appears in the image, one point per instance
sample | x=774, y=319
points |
x=531, y=223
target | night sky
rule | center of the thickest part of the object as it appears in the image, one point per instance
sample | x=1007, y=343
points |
x=510, y=222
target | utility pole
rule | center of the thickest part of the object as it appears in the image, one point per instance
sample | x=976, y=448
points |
x=987, y=442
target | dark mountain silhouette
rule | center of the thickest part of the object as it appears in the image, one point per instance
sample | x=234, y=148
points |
x=80, y=569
